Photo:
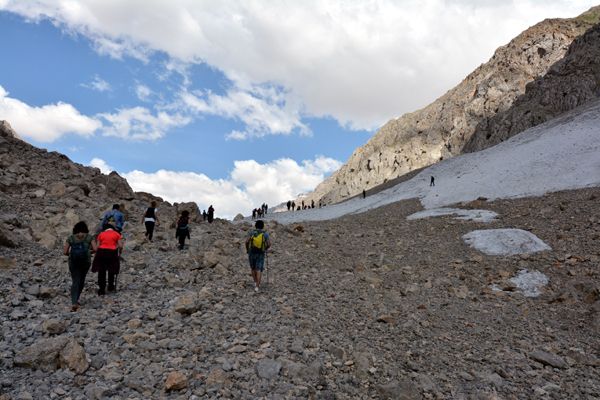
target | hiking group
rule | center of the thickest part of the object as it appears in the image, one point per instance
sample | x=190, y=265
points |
x=107, y=244
x=291, y=205
x=260, y=211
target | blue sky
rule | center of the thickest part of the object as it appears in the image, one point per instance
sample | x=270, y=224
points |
x=236, y=104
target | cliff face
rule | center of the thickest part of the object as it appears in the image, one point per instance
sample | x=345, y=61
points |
x=571, y=82
x=442, y=129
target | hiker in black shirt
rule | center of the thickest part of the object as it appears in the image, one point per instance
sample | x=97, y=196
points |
x=150, y=220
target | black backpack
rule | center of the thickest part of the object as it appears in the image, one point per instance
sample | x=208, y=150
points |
x=79, y=252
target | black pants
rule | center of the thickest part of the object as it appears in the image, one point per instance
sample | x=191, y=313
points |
x=102, y=281
x=182, y=234
x=78, y=274
x=149, y=229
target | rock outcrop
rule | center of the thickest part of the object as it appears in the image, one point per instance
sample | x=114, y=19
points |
x=571, y=82
x=442, y=129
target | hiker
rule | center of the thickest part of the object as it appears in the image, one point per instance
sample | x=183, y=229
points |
x=432, y=182
x=293, y=205
x=113, y=217
x=312, y=204
x=77, y=247
x=204, y=215
x=150, y=220
x=364, y=194
x=257, y=245
x=288, y=204
x=211, y=214
x=254, y=213
x=109, y=245
x=182, y=229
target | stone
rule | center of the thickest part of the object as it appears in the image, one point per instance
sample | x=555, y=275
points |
x=217, y=377
x=54, y=326
x=176, y=380
x=187, y=304
x=548, y=359
x=268, y=368
x=43, y=354
x=73, y=357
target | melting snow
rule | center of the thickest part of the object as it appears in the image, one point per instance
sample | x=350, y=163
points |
x=561, y=154
x=498, y=242
x=470, y=215
x=530, y=283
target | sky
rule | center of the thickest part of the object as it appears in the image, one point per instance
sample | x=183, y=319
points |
x=236, y=103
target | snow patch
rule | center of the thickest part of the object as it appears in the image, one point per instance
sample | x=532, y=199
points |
x=530, y=283
x=468, y=215
x=499, y=242
x=561, y=154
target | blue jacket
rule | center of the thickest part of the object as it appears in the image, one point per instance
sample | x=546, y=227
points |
x=117, y=216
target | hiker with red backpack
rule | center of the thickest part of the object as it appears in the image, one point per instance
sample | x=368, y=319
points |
x=78, y=247
x=107, y=259
x=257, y=244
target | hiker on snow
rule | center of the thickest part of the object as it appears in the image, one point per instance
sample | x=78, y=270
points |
x=107, y=259
x=182, y=229
x=77, y=247
x=432, y=181
x=114, y=217
x=257, y=245
x=150, y=220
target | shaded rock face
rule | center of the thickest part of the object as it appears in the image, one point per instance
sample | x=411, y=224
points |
x=571, y=82
x=442, y=129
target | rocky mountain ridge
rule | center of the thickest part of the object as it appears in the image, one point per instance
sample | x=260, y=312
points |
x=43, y=194
x=442, y=129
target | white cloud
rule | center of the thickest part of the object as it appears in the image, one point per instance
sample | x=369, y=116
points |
x=138, y=123
x=101, y=165
x=98, y=84
x=46, y=123
x=264, y=111
x=361, y=62
x=249, y=185
x=143, y=92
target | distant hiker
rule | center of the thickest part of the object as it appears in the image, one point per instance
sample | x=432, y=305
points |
x=364, y=194
x=257, y=245
x=254, y=213
x=266, y=208
x=289, y=204
x=303, y=204
x=107, y=259
x=312, y=204
x=293, y=205
x=320, y=204
x=204, y=215
x=114, y=218
x=432, y=181
x=150, y=220
x=211, y=214
x=182, y=229
x=77, y=247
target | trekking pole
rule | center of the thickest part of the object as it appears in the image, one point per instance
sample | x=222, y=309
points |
x=267, y=261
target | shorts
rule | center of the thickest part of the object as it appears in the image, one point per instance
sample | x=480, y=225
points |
x=257, y=261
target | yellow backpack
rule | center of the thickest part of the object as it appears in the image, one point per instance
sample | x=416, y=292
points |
x=258, y=242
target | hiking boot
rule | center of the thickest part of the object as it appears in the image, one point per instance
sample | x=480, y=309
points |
x=101, y=292
x=75, y=307
x=256, y=289
x=111, y=289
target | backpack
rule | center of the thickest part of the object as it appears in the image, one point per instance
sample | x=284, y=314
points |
x=79, y=253
x=258, y=242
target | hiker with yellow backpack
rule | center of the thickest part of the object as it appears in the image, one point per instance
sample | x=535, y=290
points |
x=257, y=245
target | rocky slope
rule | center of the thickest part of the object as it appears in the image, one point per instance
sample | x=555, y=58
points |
x=43, y=194
x=442, y=129
x=571, y=82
